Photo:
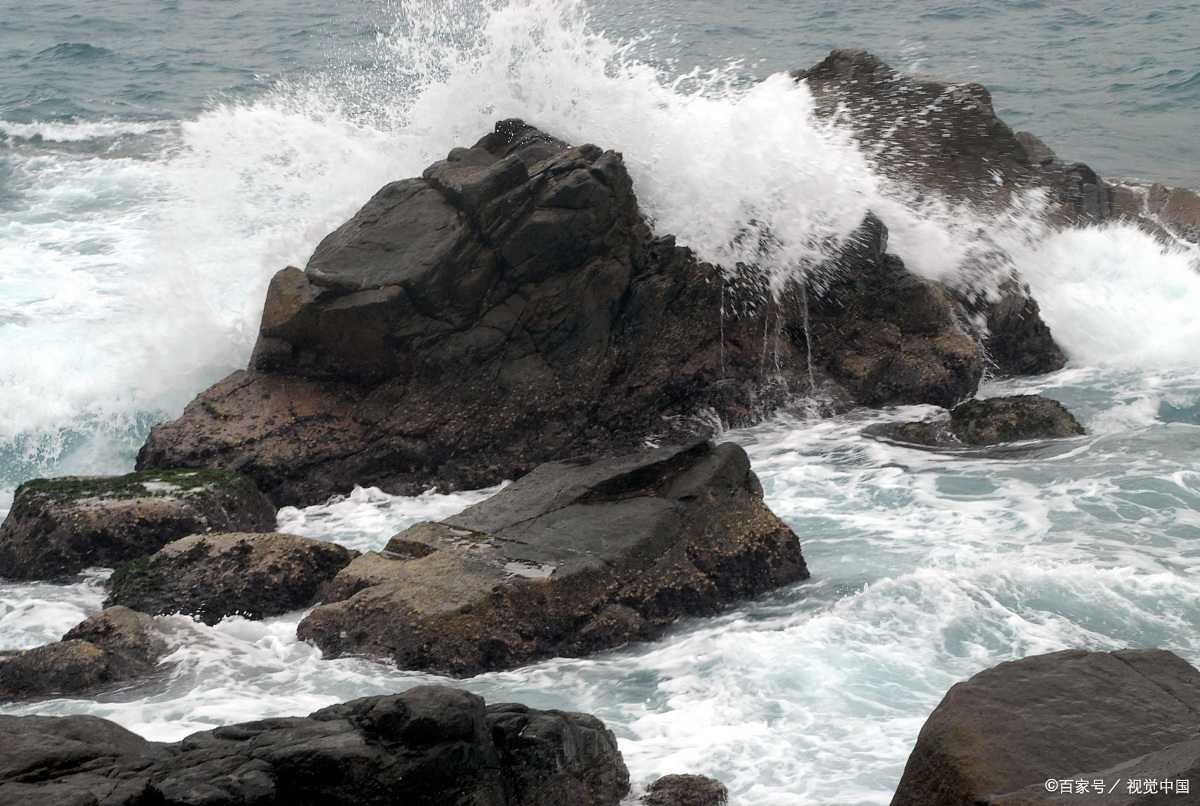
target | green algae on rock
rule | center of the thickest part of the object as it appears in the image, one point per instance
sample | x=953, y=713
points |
x=60, y=526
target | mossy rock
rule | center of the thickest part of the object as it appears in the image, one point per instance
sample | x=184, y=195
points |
x=1012, y=419
x=993, y=421
x=60, y=526
x=178, y=483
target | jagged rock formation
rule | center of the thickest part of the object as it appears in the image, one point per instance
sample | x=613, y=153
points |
x=115, y=645
x=213, y=576
x=994, y=421
x=998, y=737
x=429, y=746
x=511, y=307
x=58, y=527
x=575, y=557
x=944, y=135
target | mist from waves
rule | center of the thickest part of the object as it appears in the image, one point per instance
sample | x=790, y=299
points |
x=136, y=260
x=137, y=253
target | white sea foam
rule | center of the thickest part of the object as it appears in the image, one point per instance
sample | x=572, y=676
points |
x=32, y=614
x=132, y=282
x=366, y=518
x=60, y=132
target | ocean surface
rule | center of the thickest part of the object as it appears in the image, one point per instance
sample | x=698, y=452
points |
x=161, y=159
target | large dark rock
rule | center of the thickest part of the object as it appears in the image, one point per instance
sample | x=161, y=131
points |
x=884, y=334
x=58, y=527
x=511, y=307
x=213, y=576
x=429, y=746
x=1067, y=715
x=115, y=645
x=576, y=557
x=994, y=421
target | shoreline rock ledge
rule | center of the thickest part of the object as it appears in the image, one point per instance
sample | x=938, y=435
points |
x=428, y=746
x=575, y=557
x=511, y=307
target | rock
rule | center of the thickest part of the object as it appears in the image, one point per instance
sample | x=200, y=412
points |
x=576, y=557
x=686, y=790
x=1015, y=339
x=945, y=136
x=1178, y=209
x=1164, y=776
x=993, y=421
x=886, y=335
x=428, y=746
x=58, y=527
x=213, y=576
x=927, y=131
x=1071, y=714
x=115, y=645
x=511, y=307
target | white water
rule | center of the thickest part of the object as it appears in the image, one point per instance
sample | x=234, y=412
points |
x=135, y=263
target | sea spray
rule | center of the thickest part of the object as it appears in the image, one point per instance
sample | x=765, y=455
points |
x=135, y=262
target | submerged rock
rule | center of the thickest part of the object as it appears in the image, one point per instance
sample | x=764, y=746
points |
x=511, y=307
x=213, y=576
x=428, y=746
x=576, y=557
x=998, y=737
x=994, y=421
x=115, y=645
x=686, y=790
x=61, y=526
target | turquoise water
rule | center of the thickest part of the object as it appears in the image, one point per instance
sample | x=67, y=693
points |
x=160, y=160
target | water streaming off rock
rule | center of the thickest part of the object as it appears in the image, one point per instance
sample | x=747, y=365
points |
x=153, y=175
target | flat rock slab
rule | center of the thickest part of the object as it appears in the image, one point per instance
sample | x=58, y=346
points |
x=61, y=526
x=237, y=573
x=999, y=736
x=428, y=746
x=576, y=557
x=994, y=421
x=113, y=646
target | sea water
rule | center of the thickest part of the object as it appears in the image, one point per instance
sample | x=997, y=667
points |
x=160, y=160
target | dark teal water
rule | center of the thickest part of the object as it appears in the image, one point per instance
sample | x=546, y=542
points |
x=1112, y=84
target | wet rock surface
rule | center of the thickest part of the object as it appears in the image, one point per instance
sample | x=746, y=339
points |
x=686, y=790
x=993, y=421
x=1178, y=209
x=238, y=573
x=944, y=135
x=429, y=746
x=61, y=526
x=511, y=307
x=998, y=737
x=576, y=557
x=113, y=646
